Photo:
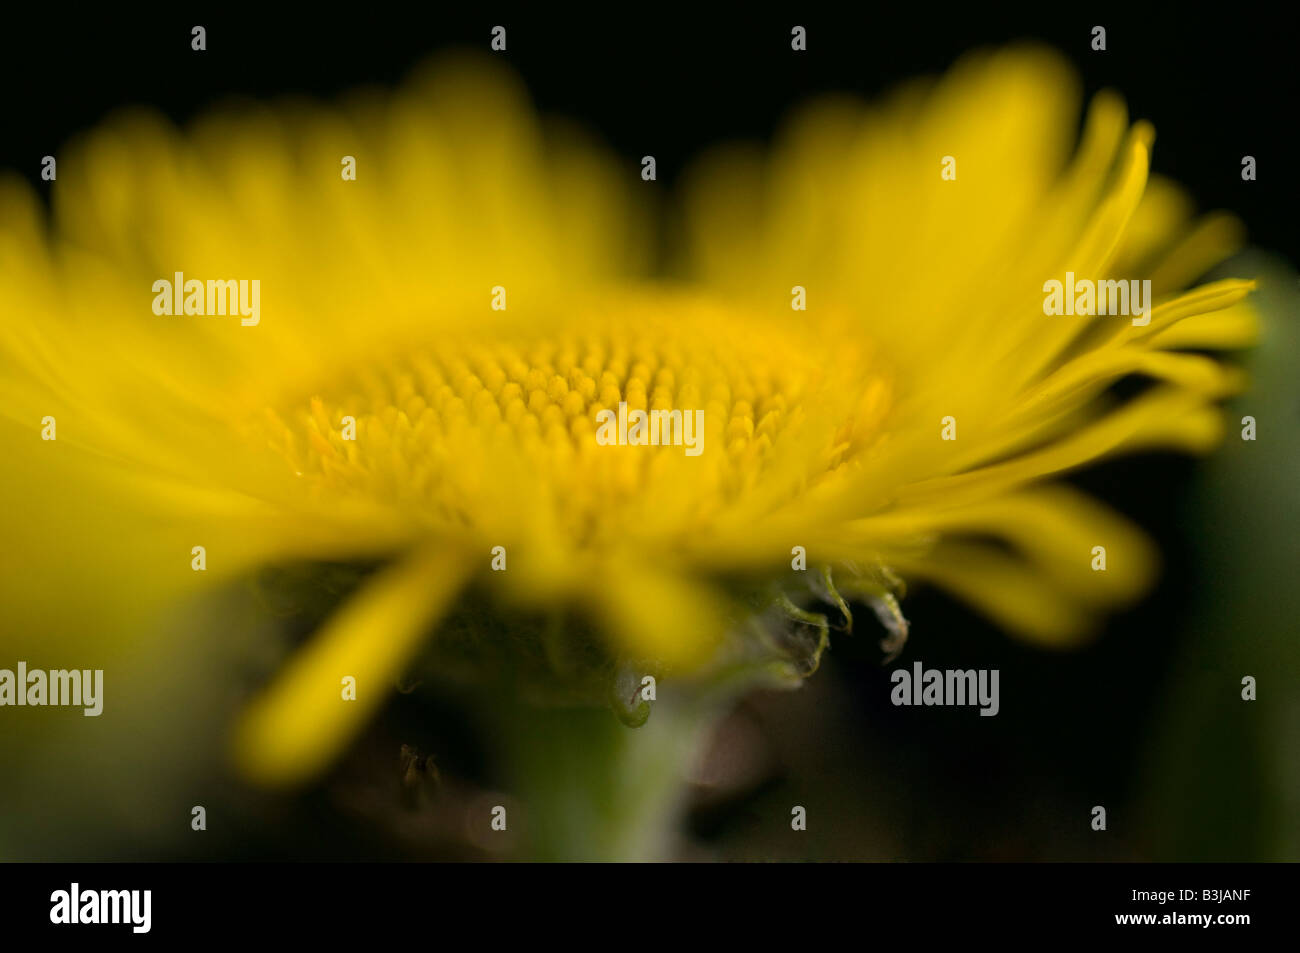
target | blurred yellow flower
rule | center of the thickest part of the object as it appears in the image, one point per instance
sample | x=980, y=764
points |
x=484, y=287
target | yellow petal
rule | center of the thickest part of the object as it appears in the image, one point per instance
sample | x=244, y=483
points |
x=659, y=616
x=1165, y=417
x=298, y=726
x=1054, y=527
x=1235, y=327
x=1009, y=591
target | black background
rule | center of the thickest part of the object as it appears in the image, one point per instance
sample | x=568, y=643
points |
x=1217, y=84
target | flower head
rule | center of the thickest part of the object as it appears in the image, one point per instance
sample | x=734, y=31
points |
x=438, y=336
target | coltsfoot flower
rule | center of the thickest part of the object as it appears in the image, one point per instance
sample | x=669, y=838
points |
x=438, y=335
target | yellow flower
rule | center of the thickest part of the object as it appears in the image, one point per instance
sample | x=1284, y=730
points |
x=475, y=424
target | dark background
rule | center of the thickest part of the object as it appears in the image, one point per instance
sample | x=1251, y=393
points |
x=1218, y=85
x=929, y=784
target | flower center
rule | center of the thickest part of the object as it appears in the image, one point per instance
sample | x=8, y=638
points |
x=464, y=429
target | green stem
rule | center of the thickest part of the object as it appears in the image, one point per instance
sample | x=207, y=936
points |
x=594, y=790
